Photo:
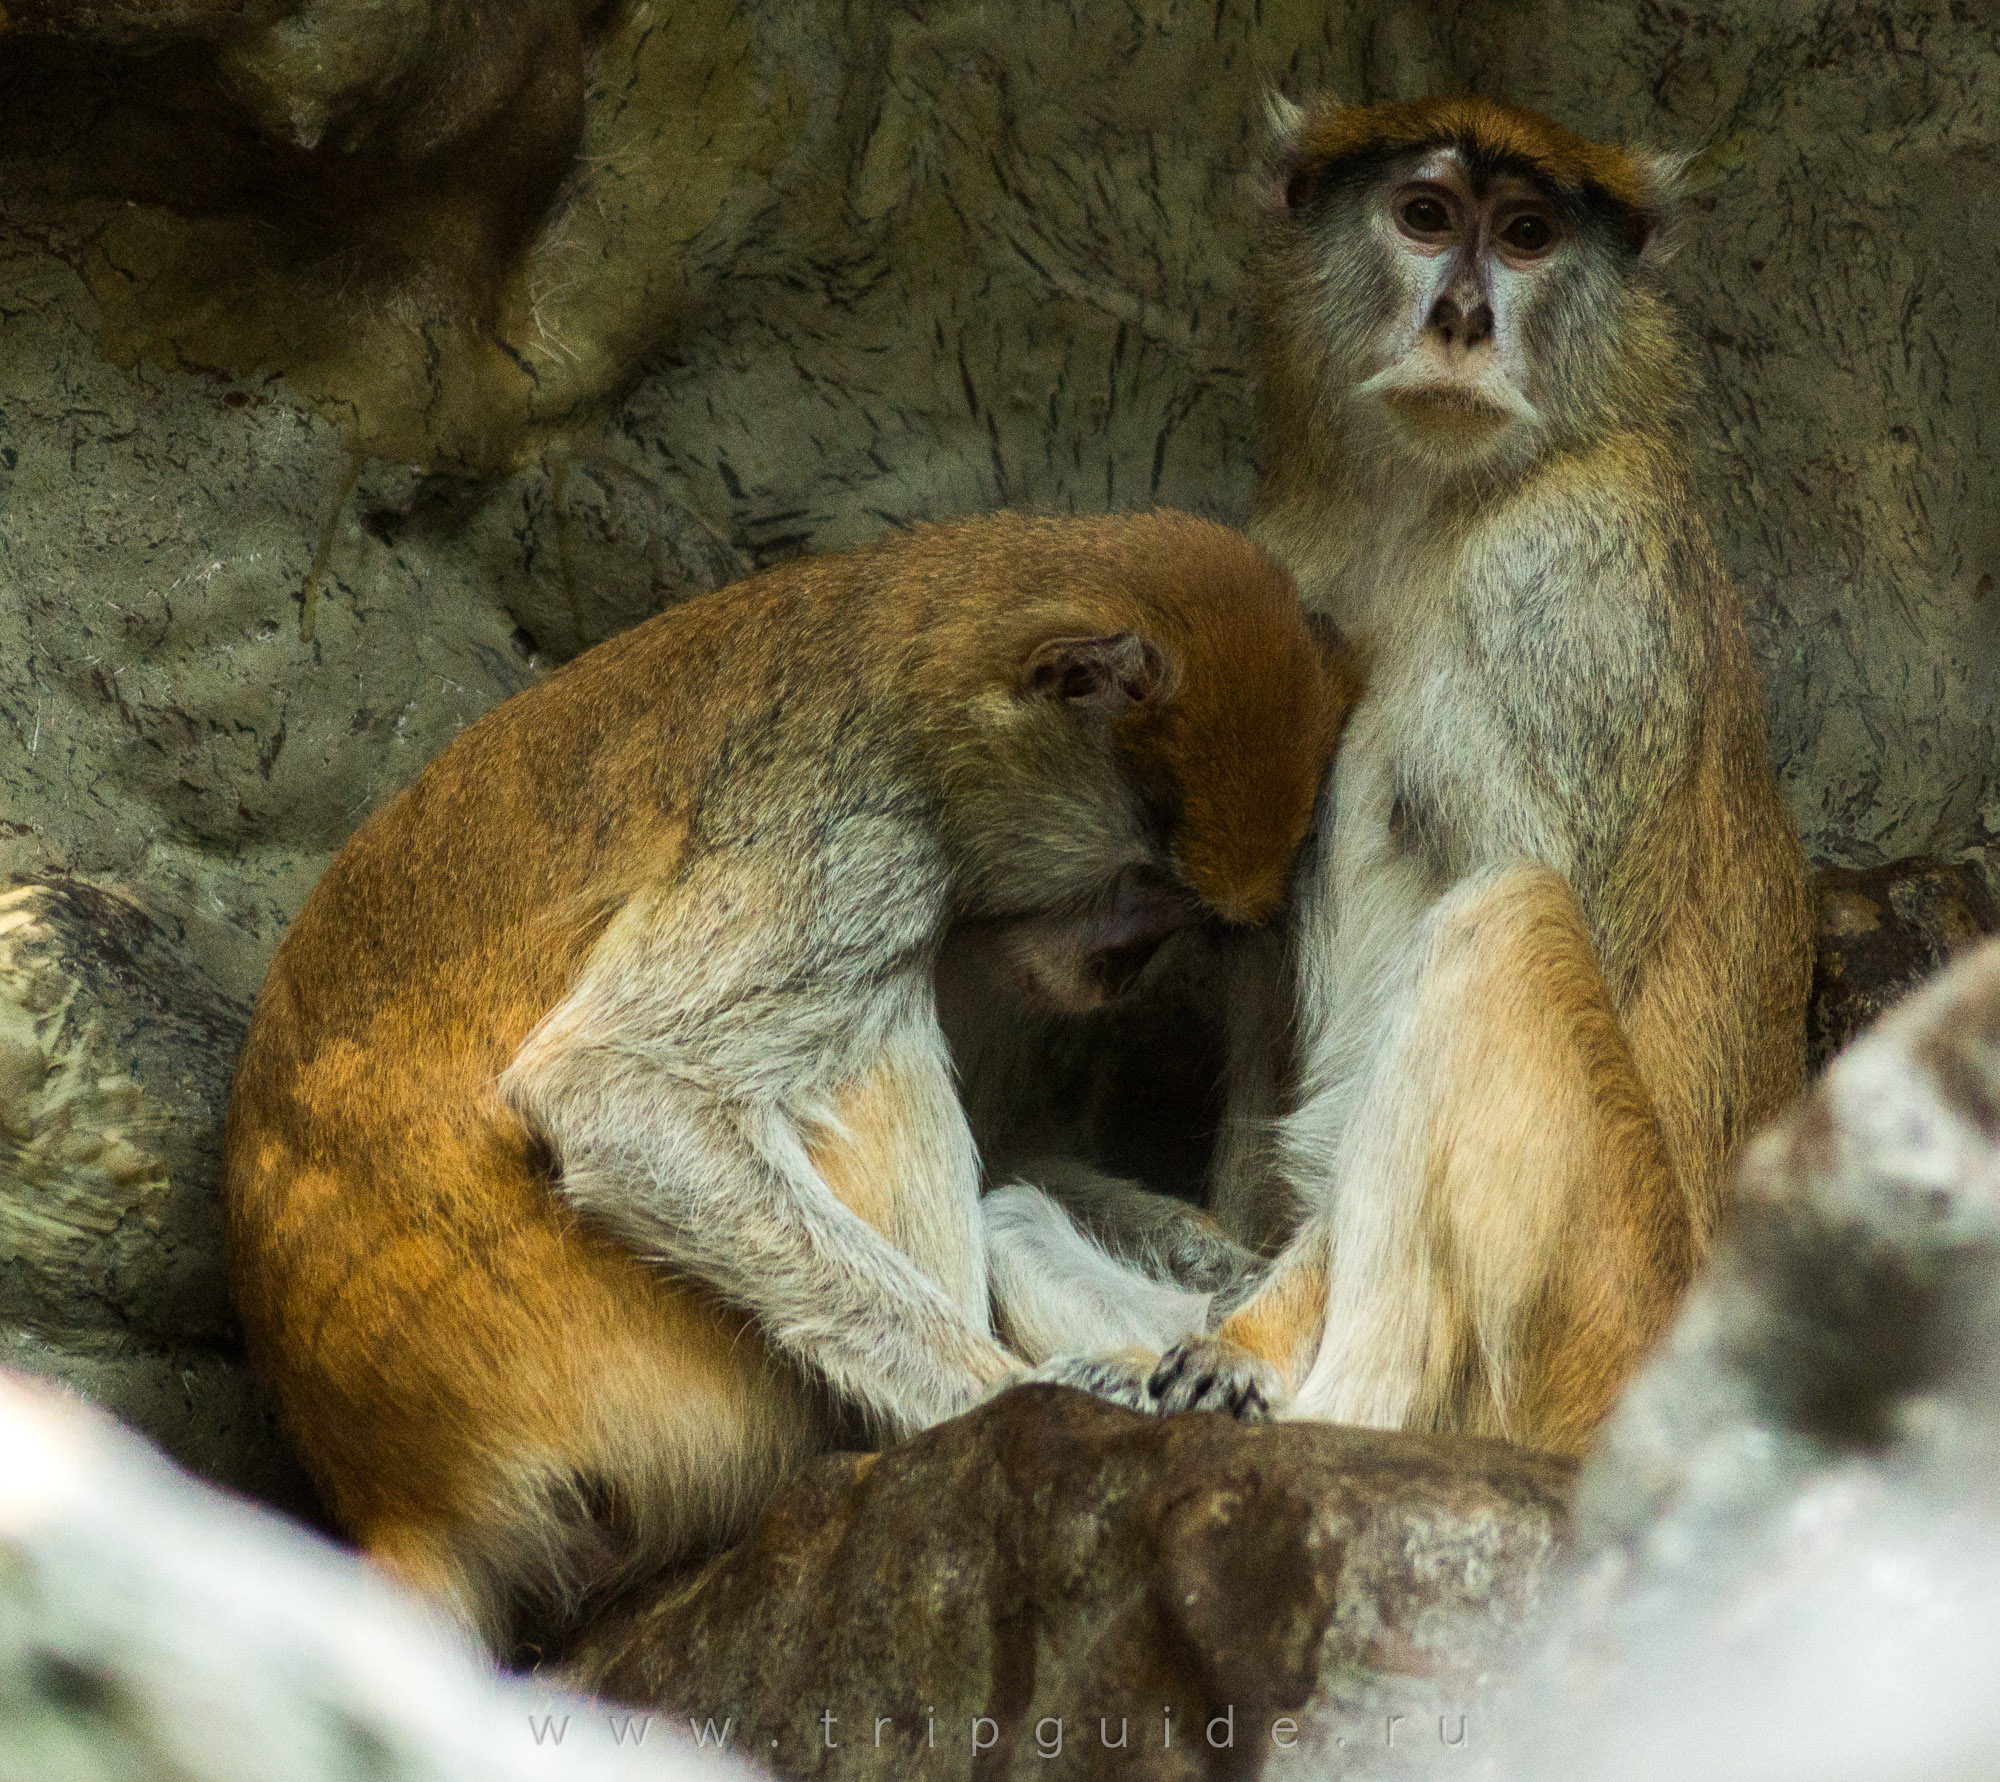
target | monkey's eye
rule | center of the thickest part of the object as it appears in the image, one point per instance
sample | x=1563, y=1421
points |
x=1426, y=216
x=1529, y=235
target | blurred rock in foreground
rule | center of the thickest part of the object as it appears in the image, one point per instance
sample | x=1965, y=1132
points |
x=1005, y=1594
x=151, y=1627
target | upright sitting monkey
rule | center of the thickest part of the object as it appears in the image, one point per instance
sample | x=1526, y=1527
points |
x=595, y=1158
x=1549, y=964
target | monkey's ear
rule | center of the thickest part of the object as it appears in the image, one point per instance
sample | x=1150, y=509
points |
x=1658, y=234
x=1282, y=116
x=1098, y=674
x=1278, y=175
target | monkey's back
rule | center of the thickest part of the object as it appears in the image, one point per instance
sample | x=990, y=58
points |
x=1716, y=1010
x=406, y=1280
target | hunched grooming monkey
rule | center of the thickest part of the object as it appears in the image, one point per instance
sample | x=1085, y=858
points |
x=594, y=1159
x=1549, y=959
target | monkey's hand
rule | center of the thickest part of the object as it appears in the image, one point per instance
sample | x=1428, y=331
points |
x=1210, y=1373
x=1199, y=1374
x=1117, y=1374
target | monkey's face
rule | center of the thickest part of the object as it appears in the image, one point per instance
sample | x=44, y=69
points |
x=1451, y=368
x=1127, y=790
x=1066, y=849
x=1461, y=302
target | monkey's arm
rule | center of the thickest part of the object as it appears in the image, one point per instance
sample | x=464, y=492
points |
x=1597, y=664
x=746, y=1082
x=1058, y=1291
x=1171, y=1243
x=1104, y=1320
x=726, y=1189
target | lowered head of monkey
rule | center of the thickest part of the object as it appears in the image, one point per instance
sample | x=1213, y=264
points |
x=1457, y=285
x=1102, y=791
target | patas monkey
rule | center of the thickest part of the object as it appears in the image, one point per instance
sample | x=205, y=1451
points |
x=595, y=1158
x=1549, y=959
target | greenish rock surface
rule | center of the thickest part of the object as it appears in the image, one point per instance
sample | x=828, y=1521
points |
x=361, y=362
x=115, y=1055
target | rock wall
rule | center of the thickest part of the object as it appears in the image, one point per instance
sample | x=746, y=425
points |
x=360, y=361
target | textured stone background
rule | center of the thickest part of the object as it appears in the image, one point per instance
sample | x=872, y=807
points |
x=360, y=359
x=359, y=363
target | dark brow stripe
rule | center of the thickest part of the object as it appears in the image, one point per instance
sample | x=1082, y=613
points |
x=1581, y=203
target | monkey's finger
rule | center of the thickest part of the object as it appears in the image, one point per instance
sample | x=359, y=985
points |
x=1119, y=1375
x=1210, y=1374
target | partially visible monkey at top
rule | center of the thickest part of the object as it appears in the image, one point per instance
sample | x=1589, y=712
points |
x=1549, y=960
x=595, y=1158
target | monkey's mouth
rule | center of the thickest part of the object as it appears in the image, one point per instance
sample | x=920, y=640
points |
x=1447, y=405
x=1442, y=400
x=1143, y=912
x=1079, y=961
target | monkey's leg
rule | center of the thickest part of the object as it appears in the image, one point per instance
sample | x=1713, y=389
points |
x=1262, y=1349
x=1505, y=1234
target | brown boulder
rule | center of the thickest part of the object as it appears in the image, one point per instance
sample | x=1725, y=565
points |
x=1038, y=1573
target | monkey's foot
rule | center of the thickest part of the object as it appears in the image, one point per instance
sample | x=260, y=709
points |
x=1117, y=1374
x=1208, y=1373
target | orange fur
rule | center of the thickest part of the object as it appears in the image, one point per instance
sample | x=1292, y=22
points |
x=1538, y=1092
x=1281, y=1325
x=1485, y=128
x=851, y=1158
x=1248, y=738
x=1541, y=1158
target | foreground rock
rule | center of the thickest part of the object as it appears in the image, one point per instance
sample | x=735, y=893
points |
x=1002, y=1595
x=152, y=1627
x=115, y=1060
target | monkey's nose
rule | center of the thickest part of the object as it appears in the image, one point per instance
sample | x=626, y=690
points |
x=1459, y=326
